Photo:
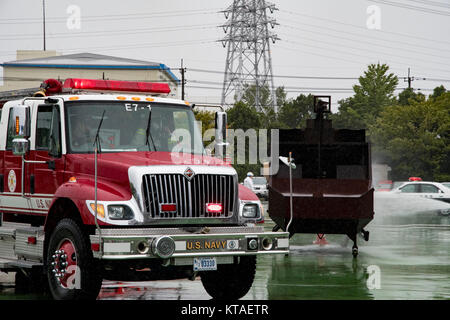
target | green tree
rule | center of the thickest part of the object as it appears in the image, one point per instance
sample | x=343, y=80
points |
x=264, y=97
x=408, y=96
x=268, y=117
x=280, y=94
x=415, y=139
x=244, y=116
x=374, y=92
x=207, y=119
x=438, y=91
x=293, y=113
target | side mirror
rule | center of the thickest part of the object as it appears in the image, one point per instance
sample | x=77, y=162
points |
x=21, y=118
x=221, y=133
x=20, y=146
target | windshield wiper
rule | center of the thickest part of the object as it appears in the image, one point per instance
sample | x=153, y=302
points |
x=97, y=135
x=147, y=131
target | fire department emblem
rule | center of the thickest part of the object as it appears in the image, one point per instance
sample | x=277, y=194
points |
x=189, y=173
x=12, y=181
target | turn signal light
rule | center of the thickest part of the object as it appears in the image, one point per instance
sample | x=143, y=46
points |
x=100, y=209
x=17, y=126
x=72, y=179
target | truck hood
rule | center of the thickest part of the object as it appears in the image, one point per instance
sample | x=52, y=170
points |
x=128, y=173
x=115, y=166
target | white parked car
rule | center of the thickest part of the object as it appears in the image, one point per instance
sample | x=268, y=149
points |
x=260, y=187
x=426, y=189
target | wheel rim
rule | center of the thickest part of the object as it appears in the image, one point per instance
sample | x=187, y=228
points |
x=64, y=263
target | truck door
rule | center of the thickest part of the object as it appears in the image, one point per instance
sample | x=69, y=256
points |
x=12, y=200
x=46, y=177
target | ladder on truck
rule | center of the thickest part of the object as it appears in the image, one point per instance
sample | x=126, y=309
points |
x=6, y=96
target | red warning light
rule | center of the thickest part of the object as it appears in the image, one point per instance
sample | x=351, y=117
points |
x=170, y=207
x=213, y=207
x=116, y=85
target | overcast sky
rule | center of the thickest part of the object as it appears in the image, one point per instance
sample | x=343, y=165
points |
x=320, y=38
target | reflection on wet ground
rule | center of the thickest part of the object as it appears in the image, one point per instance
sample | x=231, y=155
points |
x=407, y=257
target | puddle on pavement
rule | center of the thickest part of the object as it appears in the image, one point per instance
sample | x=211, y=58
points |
x=408, y=249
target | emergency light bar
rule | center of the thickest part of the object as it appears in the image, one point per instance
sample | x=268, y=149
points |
x=116, y=85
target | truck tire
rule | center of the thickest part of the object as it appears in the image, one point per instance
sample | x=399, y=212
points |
x=230, y=281
x=72, y=272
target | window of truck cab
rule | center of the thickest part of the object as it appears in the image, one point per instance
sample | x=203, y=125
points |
x=124, y=127
x=11, y=131
x=48, y=129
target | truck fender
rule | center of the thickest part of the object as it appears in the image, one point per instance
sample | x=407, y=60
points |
x=247, y=194
x=70, y=200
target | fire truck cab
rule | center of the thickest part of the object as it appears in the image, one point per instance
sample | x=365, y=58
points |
x=108, y=180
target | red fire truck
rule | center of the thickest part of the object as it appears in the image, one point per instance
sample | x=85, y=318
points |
x=106, y=179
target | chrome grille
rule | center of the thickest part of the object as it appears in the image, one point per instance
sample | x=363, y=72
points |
x=190, y=196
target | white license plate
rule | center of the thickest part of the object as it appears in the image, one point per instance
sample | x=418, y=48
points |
x=205, y=264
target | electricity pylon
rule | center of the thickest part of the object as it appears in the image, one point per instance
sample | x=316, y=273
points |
x=249, y=63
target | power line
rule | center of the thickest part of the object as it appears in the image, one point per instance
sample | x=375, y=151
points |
x=434, y=79
x=432, y=3
x=144, y=45
x=411, y=7
x=438, y=80
x=282, y=76
x=108, y=33
x=43, y=22
x=434, y=41
x=115, y=17
x=353, y=61
x=410, y=79
x=415, y=45
x=334, y=44
x=357, y=55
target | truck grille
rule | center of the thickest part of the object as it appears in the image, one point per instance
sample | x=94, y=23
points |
x=189, y=196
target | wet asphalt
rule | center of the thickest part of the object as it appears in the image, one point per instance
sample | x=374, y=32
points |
x=406, y=257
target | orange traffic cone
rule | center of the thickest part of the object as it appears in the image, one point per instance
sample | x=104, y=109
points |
x=320, y=240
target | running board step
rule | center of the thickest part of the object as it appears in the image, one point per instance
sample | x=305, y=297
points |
x=18, y=264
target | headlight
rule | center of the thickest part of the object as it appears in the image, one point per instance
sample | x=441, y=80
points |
x=120, y=212
x=250, y=210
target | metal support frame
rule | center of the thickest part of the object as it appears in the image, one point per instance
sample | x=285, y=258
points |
x=249, y=63
x=291, y=209
x=96, y=209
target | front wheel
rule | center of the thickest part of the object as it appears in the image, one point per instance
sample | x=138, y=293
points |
x=230, y=281
x=72, y=271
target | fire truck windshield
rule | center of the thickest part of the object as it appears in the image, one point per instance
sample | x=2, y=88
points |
x=172, y=128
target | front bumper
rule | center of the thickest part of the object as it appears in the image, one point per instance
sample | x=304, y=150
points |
x=142, y=243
